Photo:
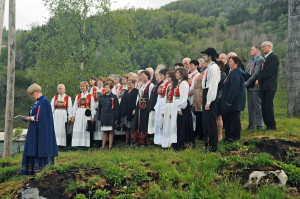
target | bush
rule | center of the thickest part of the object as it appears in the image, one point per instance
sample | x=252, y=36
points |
x=101, y=194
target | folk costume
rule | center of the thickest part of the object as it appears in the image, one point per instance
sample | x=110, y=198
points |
x=158, y=107
x=108, y=109
x=62, y=112
x=210, y=88
x=120, y=92
x=141, y=117
x=98, y=134
x=83, y=101
x=185, y=134
x=192, y=79
x=127, y=106
x=152, y=113
x=40, y=146
x=170, y=111
x=197, y=104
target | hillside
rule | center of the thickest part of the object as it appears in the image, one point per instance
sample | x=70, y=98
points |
x=126, y=40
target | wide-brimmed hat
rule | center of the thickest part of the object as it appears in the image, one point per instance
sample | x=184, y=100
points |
x=212, y=52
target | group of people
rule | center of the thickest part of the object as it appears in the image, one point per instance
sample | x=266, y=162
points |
x=170, y=107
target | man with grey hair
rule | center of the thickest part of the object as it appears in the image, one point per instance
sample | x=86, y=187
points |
x=160, y=66
x=62, y=110
x=223, y=58
x=253, y=92
x=151, y=71
x=267, y=81
x=186, y=63
x=117, y=80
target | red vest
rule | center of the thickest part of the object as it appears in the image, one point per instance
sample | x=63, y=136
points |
x=164, y=90
x=87, y=103
x=95, y=93
x=66, y=101
x=177, y=93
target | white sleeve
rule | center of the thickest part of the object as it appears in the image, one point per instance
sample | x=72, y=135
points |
x=213, y=83
x=52, y=104
x=184, y=94
x=70, y=108
x=93, y=108
x=75, y=106
x=150, y=89
x=164, y=104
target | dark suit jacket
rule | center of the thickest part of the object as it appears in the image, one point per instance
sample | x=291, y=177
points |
x=255, y=72
x=269, y=74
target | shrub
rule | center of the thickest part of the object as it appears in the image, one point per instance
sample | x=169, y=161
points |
x=101, y=194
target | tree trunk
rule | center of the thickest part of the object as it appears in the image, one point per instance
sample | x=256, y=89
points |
x=2, y=7
x=10, y=94
x=293, y=59
x=83, y=34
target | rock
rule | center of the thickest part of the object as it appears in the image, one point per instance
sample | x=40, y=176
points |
x=30, y=193
x=275, y=178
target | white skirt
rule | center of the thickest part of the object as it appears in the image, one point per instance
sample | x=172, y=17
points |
x=169, y=134
x=98, y=134
x=106, y=128
x=158, y=121
x=59, y=119
x=151, y=122
x=81, y=137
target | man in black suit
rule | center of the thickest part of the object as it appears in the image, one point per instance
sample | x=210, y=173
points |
x=267, y=81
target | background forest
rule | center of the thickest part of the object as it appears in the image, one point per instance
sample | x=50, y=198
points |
x=81, y=40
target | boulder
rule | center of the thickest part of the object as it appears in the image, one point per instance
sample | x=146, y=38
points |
x=275, y=178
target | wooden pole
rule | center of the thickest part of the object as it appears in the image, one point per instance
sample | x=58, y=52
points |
x=10, y=94
x=2, y=7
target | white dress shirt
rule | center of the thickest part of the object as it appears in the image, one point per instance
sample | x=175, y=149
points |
x=213, y=78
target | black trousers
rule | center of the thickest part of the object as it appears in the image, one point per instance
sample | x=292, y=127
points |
x=233, y=125
x=267, y=108
x=209, y=122
x=199, y=127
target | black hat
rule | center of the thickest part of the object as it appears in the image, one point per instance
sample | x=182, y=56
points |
x=212, y=52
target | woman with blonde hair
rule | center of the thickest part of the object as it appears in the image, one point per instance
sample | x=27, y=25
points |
x=40, y=146
x=83, y=101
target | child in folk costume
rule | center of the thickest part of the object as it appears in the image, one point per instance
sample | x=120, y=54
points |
x=62, y=110
x=152, y=103
x=140, y=126
x=83, y=101
x=169, y=113
x=185, y=134
x=98, y=134
x=108, y=108
x=159, y=105
x=127, y=106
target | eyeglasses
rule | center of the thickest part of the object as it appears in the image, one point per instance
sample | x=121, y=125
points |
x=33, y=92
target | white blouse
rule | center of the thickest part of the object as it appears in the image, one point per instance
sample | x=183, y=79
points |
x=184, y=94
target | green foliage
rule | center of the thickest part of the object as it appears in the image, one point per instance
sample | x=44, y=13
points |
x=125, y=196
x=8, y=172
x=271, y=193
x=101, y=194
x=115, y=173
x=80, y=196
x=293, y=173
x=262, y=159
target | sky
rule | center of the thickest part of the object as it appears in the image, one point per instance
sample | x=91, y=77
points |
x=30, y=12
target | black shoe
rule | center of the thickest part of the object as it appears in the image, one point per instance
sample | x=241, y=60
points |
x=250, y=127
x=260, y=128
x=270, y=128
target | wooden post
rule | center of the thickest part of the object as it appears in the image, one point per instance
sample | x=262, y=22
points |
x=293, y=60
x=2, y=7
x=10, y=94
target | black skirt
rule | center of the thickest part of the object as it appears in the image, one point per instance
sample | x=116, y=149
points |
x=185, y=132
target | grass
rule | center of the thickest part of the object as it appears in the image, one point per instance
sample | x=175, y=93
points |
x=150, y=172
